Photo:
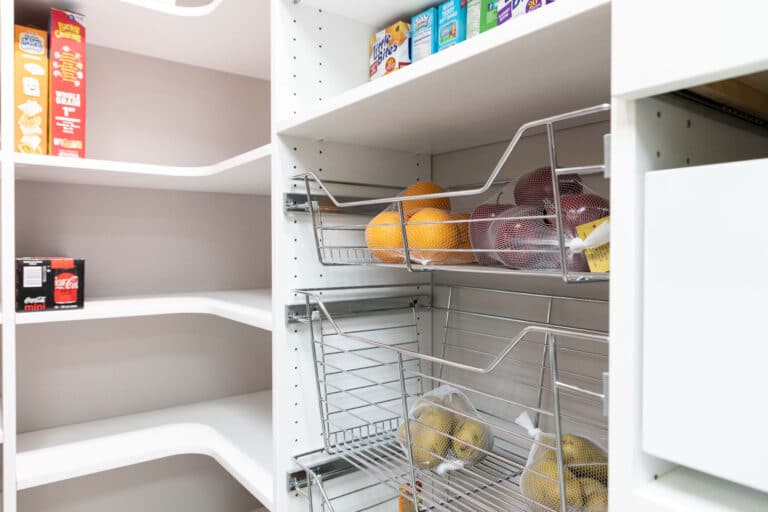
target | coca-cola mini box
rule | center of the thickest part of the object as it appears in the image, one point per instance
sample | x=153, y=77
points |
x=49, y=283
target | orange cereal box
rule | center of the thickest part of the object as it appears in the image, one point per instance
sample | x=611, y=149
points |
x=389, y=50
x=31, y=90
x=67, y=90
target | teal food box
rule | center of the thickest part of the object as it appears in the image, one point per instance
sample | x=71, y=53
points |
x=424, y=34
x=451, y=23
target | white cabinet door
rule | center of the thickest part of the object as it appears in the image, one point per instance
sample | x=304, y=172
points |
x=705, y=344
x=664, y=45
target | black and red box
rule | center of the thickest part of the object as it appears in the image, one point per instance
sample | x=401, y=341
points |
x=49, y=283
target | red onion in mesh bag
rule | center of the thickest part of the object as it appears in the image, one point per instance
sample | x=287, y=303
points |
x=534, y=241
x=579, y=209
x=478, y=231
x=535, y=187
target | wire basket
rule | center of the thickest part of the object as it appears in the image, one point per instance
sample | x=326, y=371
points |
x=544, y=360
x=500, y=237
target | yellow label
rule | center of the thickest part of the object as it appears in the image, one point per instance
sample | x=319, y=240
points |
x=599, y=258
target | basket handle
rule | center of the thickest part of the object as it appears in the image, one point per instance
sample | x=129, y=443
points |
x=557, y=331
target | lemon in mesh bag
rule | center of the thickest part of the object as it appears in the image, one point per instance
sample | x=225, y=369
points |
x=447, y=432
x=585, y=471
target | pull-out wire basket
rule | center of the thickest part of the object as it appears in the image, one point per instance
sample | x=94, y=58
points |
x=542, y=240
x=510, y=353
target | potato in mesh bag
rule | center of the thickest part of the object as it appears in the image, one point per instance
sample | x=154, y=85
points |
x=585, y=472
x=446, y=431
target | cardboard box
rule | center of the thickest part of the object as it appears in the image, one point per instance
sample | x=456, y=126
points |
x=482, y=16
x=66, y=56
x=424, y=34
x=389, y=50
x=451, y=23
x=509, y=9
x=49, y=283
x=31, y=90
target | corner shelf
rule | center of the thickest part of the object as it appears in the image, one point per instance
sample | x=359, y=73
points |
x=250, y=307
x=525, y=66
x=247, y=173
x=233, y=431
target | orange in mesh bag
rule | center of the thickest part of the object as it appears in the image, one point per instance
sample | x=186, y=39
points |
x=447, y=432
x=585, y=472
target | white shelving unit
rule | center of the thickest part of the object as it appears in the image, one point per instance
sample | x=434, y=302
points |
x=250, y=307
x=179, y=171
x=248, y=173
x=230, y=430
x=445, y=107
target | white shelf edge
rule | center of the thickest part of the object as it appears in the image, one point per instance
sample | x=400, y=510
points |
x=127, y=174
x=250, y=307
x=478, y=45
x=234, y=431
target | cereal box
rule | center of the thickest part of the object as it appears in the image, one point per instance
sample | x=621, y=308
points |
x=390, y=50
x=451, y=23
x=481, y=16
x=424, y=34
x=31, y=90
x=509, y=9
x=66, y=56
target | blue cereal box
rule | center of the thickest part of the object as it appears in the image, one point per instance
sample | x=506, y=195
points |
x=451, y=23
x=424, y=34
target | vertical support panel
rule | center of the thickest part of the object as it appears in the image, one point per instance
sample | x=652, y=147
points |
x=7, y=252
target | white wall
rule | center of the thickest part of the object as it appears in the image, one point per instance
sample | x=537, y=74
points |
x=146, y=241
x=154, y=111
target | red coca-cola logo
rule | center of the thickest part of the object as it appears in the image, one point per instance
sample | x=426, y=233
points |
x=65, y=288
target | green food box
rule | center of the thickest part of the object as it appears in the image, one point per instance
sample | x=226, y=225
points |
x=481, y=16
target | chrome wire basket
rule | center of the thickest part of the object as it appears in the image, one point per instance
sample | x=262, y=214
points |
x=538, y=245
x=542, y=359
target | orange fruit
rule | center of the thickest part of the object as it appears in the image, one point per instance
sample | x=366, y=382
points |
x=385, y=232
x=422, y=188
x=430, y=236
x=462, y=240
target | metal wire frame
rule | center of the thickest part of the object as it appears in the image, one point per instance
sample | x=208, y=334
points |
x=372, y=447
x=359, y=255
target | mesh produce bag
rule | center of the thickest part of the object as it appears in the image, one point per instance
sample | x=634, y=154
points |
x=585, y=468
x=520, y=232
x=447, y=432
x=434, y=234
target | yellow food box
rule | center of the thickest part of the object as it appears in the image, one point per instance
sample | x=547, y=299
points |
x=31, y=90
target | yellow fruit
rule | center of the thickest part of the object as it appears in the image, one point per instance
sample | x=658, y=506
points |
x=598, y=502
x=423, y=188
x=470, y=439
x=428, y=432
x=384, y=231
x=590, y=486
x=584, y=458
x=430, y=235
x=540, y=483
x=462, y=240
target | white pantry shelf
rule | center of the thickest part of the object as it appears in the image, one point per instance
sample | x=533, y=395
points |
x=224, y=35
x=553, y=60
x=235, y=431
x=247, y=173
x=250, y=307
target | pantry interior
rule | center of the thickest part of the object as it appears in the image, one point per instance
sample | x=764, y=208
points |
x=191, y=380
